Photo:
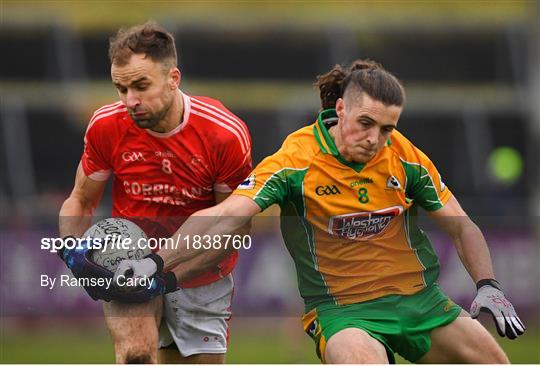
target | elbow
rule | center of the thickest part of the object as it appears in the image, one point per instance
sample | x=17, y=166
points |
x=77, y=205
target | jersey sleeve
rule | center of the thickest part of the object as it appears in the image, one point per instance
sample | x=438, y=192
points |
x=424, y=184
x=272, y=181
x=96, y=156
x=234, y=162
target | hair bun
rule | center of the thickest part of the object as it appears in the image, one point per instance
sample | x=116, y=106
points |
x=375, y=81
x=329, y=85
x=364, y=65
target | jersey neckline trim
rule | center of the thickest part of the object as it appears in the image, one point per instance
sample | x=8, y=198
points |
x=182, y=125
x=326, y=142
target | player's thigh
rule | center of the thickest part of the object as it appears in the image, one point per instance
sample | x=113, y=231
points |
x=172, y=356
x=464, y=340
x=196, y=319
x=353, y=345
x=134, y=329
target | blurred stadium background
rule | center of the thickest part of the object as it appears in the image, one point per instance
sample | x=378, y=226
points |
x=471, y=73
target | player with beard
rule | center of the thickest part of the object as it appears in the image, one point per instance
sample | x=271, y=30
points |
x=170, y=155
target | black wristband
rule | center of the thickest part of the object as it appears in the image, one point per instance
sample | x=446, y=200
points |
x=489, y=282
x=158, y=260
x=170, y=282
x=60, y=251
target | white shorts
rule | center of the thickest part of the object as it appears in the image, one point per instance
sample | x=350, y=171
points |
x=196, y=319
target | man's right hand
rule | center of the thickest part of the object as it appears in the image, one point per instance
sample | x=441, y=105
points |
x=79, y=261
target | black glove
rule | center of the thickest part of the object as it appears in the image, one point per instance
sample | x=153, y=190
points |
x=162, y=284
x=150, y=267
x=79, y=261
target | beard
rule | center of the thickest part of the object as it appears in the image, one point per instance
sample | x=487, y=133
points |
x=146, y=121
x=149, y=120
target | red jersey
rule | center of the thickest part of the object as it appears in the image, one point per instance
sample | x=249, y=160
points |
x=160, y=179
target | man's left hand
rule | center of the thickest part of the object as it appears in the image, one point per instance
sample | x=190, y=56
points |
x=492, y=300
x=149, y=267
x=142, y=268
x=161, y=284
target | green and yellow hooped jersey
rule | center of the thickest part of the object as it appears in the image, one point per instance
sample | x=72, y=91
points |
x=351, y=228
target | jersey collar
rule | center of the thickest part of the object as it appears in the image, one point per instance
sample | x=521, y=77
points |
x=326, y=119
x=182, y=125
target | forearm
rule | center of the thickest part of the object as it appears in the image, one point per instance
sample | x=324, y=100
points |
x=203, y=260
x=205, y=222
x=468, y=239
x=75, y=217
x=232, y=216
x=199, y=264
x=473, y=252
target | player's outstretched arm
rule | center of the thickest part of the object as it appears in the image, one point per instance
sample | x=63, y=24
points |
x=474, y=254
x=226, y=218
x=209, y=259
x=77, y=210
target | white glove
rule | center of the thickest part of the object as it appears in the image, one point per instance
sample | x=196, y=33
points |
x=143, y=268
x=491, y=299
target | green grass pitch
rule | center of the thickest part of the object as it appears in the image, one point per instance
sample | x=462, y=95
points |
x=270, y=340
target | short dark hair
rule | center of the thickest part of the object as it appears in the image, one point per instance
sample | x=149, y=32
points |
x=149, y=38
x=365, y=76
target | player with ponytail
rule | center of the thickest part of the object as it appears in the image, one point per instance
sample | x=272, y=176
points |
x=349, y=186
